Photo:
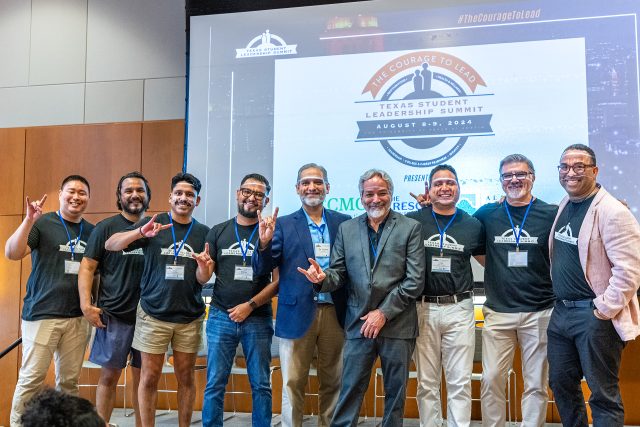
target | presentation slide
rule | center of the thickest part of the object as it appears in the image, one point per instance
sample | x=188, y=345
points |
x=399, y=86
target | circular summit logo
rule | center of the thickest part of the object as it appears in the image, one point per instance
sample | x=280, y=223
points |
x=427, y=108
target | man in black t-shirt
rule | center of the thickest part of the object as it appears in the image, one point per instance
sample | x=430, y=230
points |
x=52, y=322
x=171, y=310
x=240, y=310
x=114, y=312
x=596, y=273
x=519, y=294
x=445, y=308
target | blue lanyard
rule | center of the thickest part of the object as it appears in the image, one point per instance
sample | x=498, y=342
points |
x=319, y=228
x=72, y=244
x=244, y=250
x=443, y=231
x=518, y=234
x=173, y=234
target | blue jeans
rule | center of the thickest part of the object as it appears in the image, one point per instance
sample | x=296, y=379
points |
x=582, y=345
x=223, y=336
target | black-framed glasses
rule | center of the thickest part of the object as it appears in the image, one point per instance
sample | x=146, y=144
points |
x=519, y=176
x=578, y=168
x=246, y=192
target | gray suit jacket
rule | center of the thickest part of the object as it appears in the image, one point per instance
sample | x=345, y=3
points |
x=394, y=282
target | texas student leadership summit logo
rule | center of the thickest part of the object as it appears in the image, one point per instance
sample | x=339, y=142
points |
x=425, y=107
x=266, y=44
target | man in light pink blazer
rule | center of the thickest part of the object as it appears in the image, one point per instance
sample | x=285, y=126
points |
x=595, y=268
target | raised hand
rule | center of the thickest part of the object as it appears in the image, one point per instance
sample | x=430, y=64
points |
x=34, y=209
x=152, y=228
x=374, y=321
x=314, y=273
x=266, y=227
x=203, y=258
x=423, y=199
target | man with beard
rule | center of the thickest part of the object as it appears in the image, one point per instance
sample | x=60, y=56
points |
x=519, y=293
x=445, y=308
x=171, y=310
x=52, y=322
x=379, y=258
x=596, y=272
x=240, y=310
x=307, y=322
x=114, y=311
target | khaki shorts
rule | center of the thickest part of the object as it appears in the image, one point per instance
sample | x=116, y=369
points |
x=154, y=336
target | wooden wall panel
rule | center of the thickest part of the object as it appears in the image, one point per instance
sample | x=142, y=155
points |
x=162, y=158
x=101, y=153
x=12, y=170
x=10, y=318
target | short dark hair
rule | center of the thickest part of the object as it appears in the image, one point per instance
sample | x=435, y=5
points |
x=54, y=408
x=442, y=167
x=313, y=166
x=80, y=178
x=516, y=158
x=188, y=178
x=134, y=174
x=257, y=177
x=582, y=147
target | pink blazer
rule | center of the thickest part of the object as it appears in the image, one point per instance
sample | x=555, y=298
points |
x=609, y=248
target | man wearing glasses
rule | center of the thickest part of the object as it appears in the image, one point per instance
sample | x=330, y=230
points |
x=519, y=293
x=240, y=310
x=596, y=272
x=307, y=322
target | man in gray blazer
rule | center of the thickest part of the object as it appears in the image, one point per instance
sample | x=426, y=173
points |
x=379, y=258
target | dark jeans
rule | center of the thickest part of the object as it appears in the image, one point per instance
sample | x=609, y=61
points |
x=581, y=345
x=358, y=359
x=223, y=336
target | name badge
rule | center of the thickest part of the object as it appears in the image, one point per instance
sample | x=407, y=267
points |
x=321, y=250
x=517, y=259
x=243, y=273
x=71, y=267
x=441, y=264
x=174, y=272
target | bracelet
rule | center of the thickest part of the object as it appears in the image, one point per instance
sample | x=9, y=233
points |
x=140, y=230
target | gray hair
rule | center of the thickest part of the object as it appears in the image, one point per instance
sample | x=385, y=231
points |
x=372, y=173
x=313, y=166
x=517, y=158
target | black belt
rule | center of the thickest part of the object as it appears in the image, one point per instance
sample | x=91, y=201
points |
x=584, y=303
x=446, y=299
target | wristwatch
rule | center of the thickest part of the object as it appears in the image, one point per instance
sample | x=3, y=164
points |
x=253, y=304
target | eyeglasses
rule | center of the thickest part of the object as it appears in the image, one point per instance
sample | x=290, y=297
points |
x=248, y=193
x=520, y=176
x=305, y=182
x=578, y=168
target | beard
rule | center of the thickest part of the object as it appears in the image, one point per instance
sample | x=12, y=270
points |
x=376, y=212
x=312, y=200
x=128, y=207
x=247, y=213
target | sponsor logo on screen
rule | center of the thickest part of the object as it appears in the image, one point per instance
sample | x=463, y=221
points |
x=425, y=107
x=266, y=44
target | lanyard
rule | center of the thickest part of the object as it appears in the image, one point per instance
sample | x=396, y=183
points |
x=173, y=234
x=519, y=233
x=443, y=231
x=244, y=250
x=319, y=228
x=72, y=244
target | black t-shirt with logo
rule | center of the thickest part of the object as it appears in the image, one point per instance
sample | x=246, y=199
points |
x=176, y=301
x=517, y=289
x=464, y=237
x=227, y=254
x=569, y=282
x=120, y=272
x=51, y=293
